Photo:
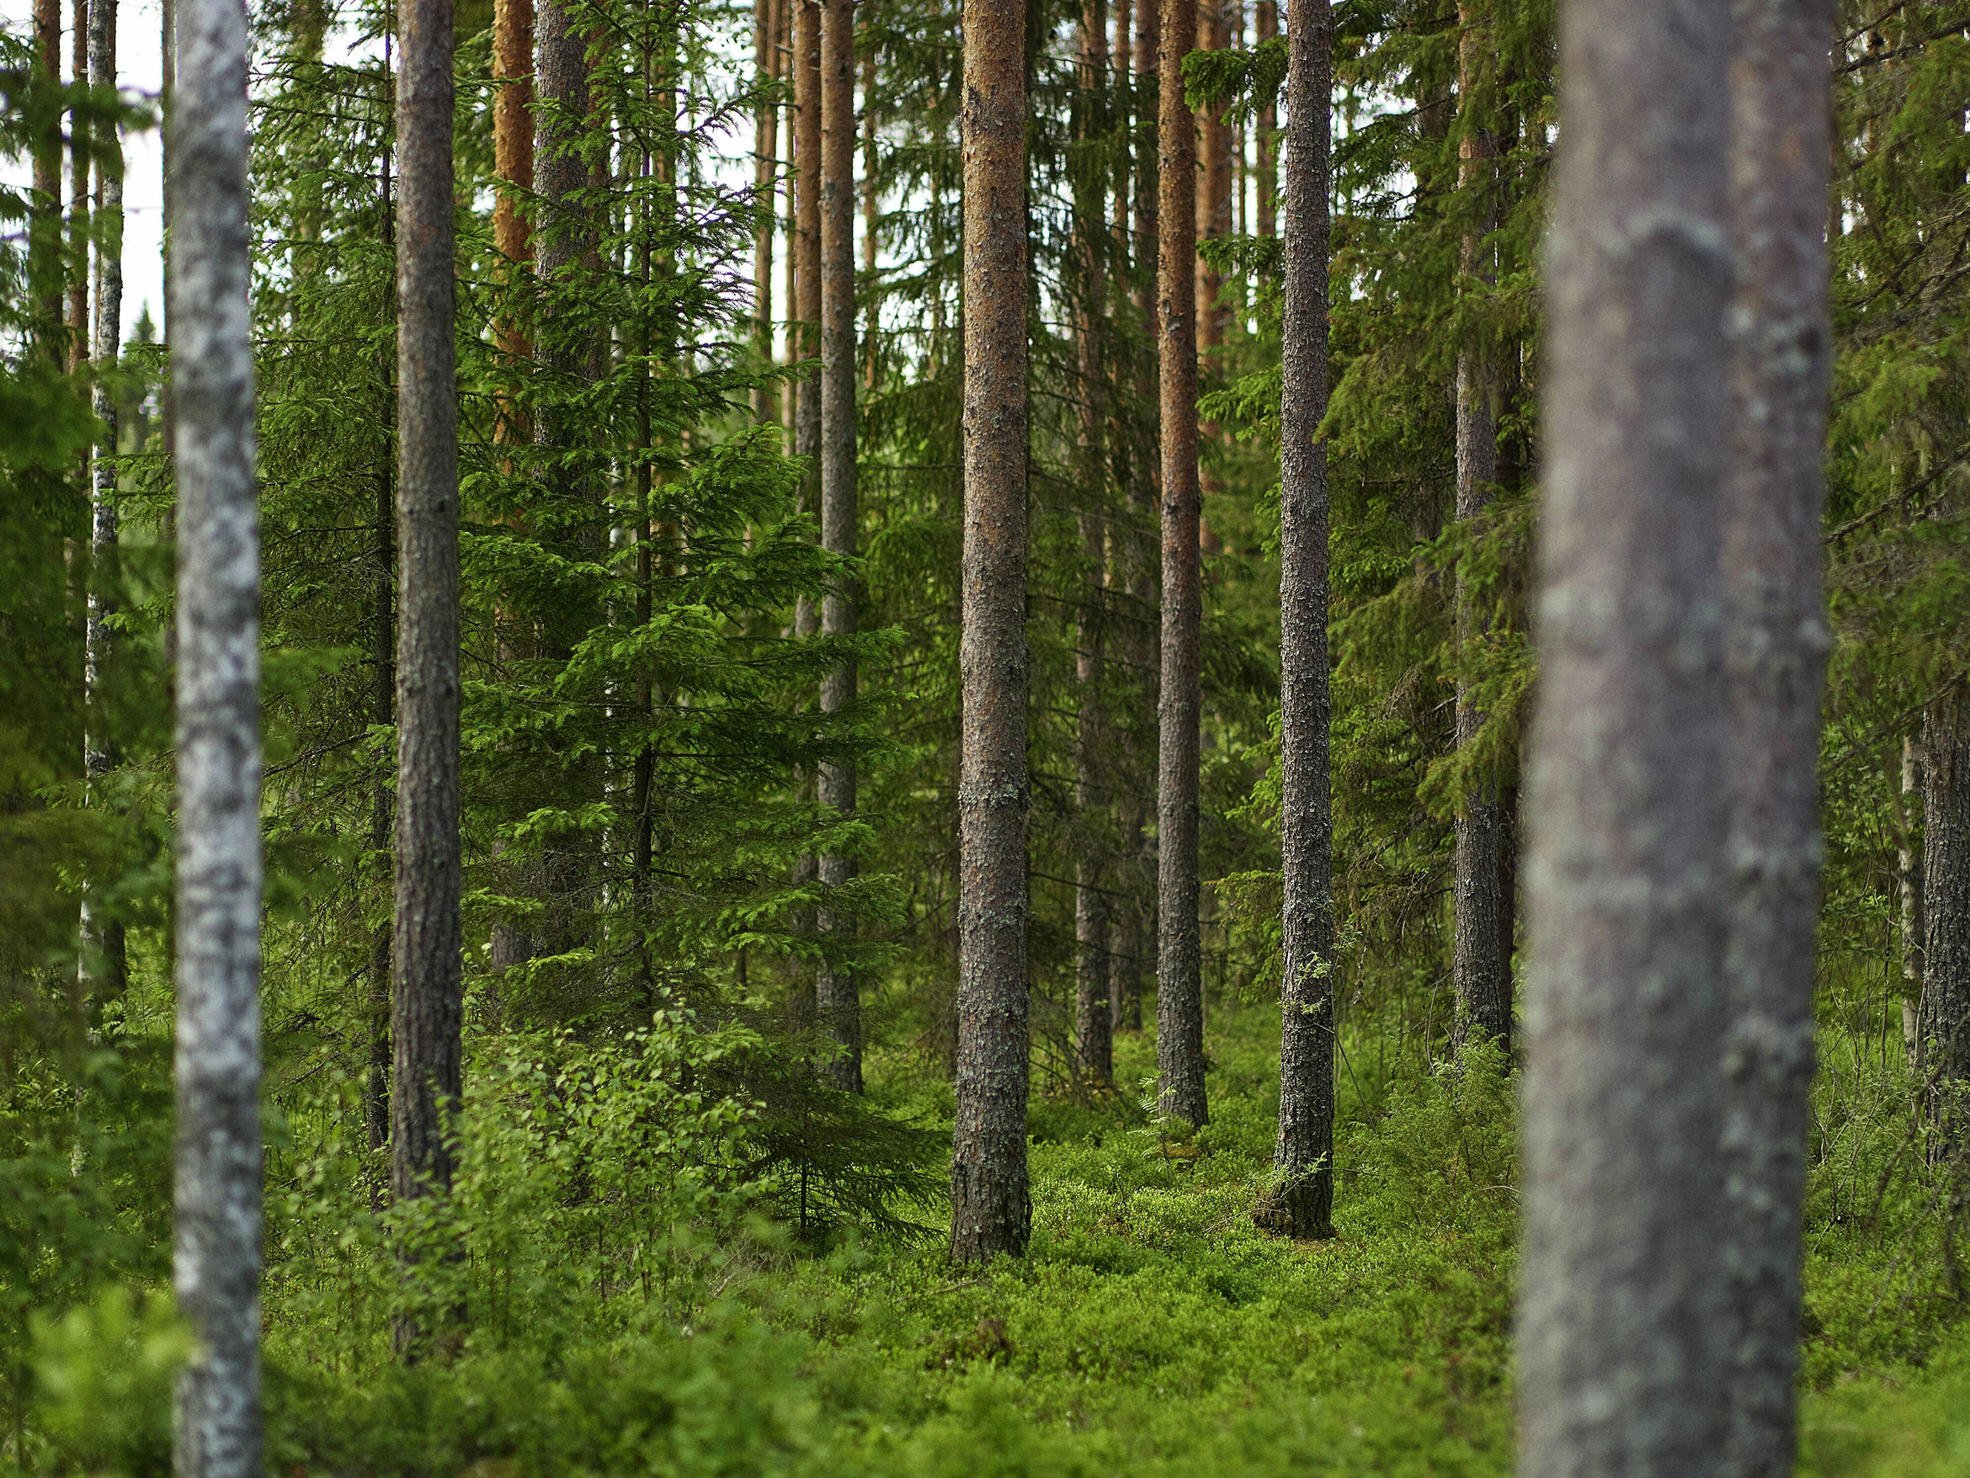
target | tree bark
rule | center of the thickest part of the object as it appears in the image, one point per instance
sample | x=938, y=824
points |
x=217, y=1197
x=991, y=1209
x=44, y=250
x=1179, y=963
x=1478, y=960
x=427, y=1000
x=1265, y=22
x=105, y=968
x=1093, y=1032
x=1301, y=1201
x=78, y=191
x=383, y=692
x=807, y=240
x=1621, y=1313
x=1945, y=1017
x=1777, y=639
x=513, y=157
x=836, y=994
x=1135, y=907
x=1908, y=886
x=766, y=148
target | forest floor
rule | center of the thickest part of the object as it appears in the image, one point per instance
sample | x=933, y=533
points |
x=1153, y=1330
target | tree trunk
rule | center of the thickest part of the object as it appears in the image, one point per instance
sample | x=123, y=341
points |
x=105, y=968
x=807, y=240
x=78, y=192
x=991, y=1210
x=1179, y=965
x=1777, y=641
x=427, y=1001
x=871, y=209
x=836, y=995
x=513, y=156
x=1908, y=885
x=766, y=147
x=1093, y=1033
x=1477, y=961
x=44, y=249
x=383, y=695
x=1621, y=1310
x=1301, y=1202
x=1945, y=1023
x=1135, y=905
x=217, y=1197
x=1265, y=22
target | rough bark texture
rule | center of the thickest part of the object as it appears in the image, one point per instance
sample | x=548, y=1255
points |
x=104, y=964
x=1908, y=885
x=839, y=1009
x=217, y=1197
x=1621, y=1309
x=1179, y=963
x=765, y=146
x=1776, y=644
x=1093, y=1027
x=1478, y=959
x=991, y=1208
x=513, y=156
x=78, y=191
x=1301, y=1201
x=807, y=240
x=1265, y=23
x=426, y=1000
x=1945, y=1017
x=383, y=693
x=44, y=250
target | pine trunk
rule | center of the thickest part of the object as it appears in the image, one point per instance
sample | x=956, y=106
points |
x=426, y=1000
x=1622, y=1326
x=383, y=694
x=991, y=1208
x=1179, y=964
x=1301, y=1201
x=1093, y=1032
x=217, y=1199
x=105, y=968
x=1945, y=1017
x=1777, y=641
x=766, y=145
x=1265, y=23
x=1478, y=959
x=1908, y=887
x=838, y=1007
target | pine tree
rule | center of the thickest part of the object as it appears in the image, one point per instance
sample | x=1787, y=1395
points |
x=1301, y=1201
x=1179, y=951
x=1621, y=1314
x=991, y=1207
x=1480, y=949
x=838, y=1006
x=1777, y=639
x=427, y=997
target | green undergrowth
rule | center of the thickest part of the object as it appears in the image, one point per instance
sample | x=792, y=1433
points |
x=1152, y=1329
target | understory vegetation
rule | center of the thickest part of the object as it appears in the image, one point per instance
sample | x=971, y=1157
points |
x=636, y=1305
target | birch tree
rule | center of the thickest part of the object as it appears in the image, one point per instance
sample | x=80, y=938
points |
x=216, y=1255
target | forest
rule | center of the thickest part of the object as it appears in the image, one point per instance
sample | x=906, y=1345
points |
x=985, y=737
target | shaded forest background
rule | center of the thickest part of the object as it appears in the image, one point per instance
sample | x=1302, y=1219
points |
x=670, y=1235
